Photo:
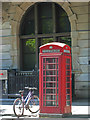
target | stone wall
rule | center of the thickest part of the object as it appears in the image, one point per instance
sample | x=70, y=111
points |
x=78, y=16
x=80, y=50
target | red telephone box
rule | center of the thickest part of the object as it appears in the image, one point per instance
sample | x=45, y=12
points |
x=55, y=79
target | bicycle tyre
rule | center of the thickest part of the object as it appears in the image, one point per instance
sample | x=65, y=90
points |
x=20, y=105
x=33, y=104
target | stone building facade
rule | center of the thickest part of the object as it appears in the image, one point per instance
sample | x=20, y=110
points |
x=78, y=14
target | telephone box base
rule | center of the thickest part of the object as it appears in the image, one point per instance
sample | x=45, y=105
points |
x=41, y=115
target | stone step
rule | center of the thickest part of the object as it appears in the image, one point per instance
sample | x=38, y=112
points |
x=6, y=101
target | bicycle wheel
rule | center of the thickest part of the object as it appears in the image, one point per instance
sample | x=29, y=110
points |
x=18, y=107
x=33, y=104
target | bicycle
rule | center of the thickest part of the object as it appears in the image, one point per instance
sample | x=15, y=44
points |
x=31, y=102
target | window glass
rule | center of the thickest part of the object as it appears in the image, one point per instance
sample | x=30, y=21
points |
x=29, y=55
x=45, y=18
x=28, y=23
x=62, y=21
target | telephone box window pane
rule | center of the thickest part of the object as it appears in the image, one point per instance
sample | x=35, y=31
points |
x=44, y=91
x=44, y=66
x=43, y=84
x=50, y=79
x=43, y=72
x=68, y=67
x=68, y=61
x=50, y=103
x=68, y=79
x=68, y=103
x=43, y=60
x=67, y=85
x=51, y=72
x=57, y=91
x=50, y=60
x=50, y=97
x=43, y=78
x=67, y=72
x=51, y=66
x=51, y=91
x=44, y=98
x=50, y=85
x=67, y=91
x=67, y=97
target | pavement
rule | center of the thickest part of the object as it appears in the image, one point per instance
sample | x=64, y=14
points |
x=80, y=109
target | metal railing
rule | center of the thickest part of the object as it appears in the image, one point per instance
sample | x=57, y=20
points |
x=20, y=80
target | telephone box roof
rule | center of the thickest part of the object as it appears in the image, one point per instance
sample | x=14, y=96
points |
x=54, y=43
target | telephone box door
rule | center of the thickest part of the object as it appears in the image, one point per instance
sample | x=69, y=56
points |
x=50, y=82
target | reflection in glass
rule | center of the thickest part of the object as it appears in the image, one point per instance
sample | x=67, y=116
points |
x=67, y=67
x=67, y=91
x=50, y=103
x=67, y=97
x=50, y=97
x=68, y=103
x=51, y=60
x=67, y=85
x=67, y=72
x=51, y=72
x=51, y=91
x=68, y=61
x=68, y=79
x=50, y=84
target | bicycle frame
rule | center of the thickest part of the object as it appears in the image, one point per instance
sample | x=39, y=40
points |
x=29, y=95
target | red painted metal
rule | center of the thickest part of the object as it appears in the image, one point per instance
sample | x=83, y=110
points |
x=55, y=78
x=1, y=73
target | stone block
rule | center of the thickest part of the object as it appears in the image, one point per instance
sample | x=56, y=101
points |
x=82, y=18
x=83, y=60
x=84, y=68
x=6, y=64
x=82, y=85
x=14, y=44
x=75, y=50
x=5, y=48
x=83, y=35
x=15, y=63
x=74, y=42
x=16, y=3
x=5, y=55
x=18, y=14
x=79, y=3
x=26, y=5
x=6, y=40
x=82, y=94
x=73, y=17
x=6, y=25
x=82, y=26
x=15, y=27
x=82, y=77
x=12, y=9
x=73, y=26
x=6, y=32
x=74, y=34
x=13, y=53
x=84, y=52
x=80, y=9
x=83, y=43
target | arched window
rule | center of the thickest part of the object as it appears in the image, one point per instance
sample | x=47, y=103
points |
x=42, y=23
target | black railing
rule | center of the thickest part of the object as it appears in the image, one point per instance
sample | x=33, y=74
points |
x=20, y=80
